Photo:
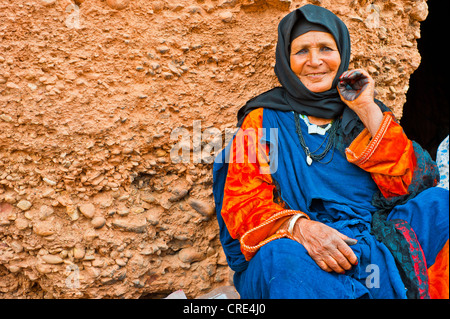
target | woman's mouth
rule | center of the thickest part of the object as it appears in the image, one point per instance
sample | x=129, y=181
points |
x=315, y=75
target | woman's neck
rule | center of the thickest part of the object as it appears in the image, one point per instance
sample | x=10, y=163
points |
x=318, y=120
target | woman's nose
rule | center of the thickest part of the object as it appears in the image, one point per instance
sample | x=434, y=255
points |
x=314, y=58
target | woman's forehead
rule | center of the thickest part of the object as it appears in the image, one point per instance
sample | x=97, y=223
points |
x=314, y=38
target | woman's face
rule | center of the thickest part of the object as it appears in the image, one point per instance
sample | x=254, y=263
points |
x=315, y=59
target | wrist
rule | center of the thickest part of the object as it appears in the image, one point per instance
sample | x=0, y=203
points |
x=295, y=220
x=371, y=116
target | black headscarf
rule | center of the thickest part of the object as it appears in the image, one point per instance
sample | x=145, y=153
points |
x=293, y=95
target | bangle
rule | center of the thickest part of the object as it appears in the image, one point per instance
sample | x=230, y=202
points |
x=293, y=220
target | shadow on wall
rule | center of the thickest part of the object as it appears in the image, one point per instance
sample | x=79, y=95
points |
x=426, y=111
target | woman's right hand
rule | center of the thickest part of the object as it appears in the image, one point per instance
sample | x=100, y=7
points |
x=326, y=246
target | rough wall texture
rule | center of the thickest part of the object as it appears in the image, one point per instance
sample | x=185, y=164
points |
x=92, y=204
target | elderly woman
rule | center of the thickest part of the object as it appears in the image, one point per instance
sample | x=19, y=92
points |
x=320, y=194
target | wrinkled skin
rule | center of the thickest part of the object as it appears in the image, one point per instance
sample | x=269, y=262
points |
x=326, y=246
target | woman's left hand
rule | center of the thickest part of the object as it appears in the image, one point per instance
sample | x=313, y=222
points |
x=357, y=90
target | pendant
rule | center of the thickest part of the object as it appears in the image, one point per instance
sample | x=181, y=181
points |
x=308, y=160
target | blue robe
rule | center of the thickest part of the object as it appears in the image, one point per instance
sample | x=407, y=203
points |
x=338, y=194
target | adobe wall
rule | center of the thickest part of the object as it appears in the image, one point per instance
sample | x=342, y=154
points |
x=93, y=97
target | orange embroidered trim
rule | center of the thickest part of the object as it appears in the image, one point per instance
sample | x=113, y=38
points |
x=370, y=149
x=279, y=234
x=253, y=249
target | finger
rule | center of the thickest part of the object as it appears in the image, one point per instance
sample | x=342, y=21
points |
x=352, y=82
x=341, y=86
x=344, y=75
x=343, y=262
x=344, y=255
x=355, y=75
x=362, y=85
x=323, y=265
x=348, y=253
x=347, y=74
x=350, y=241
x=356, y=80
x=346, y=250
x=351, y=75
x=347, y=240
x=337, y=264
x=346, y=92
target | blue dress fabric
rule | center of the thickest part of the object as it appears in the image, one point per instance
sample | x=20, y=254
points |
x=338, y=194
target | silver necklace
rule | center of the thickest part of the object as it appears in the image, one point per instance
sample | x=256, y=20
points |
x=331, y=142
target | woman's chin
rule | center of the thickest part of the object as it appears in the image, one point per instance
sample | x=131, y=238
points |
x=318, y=87
x=317, y=84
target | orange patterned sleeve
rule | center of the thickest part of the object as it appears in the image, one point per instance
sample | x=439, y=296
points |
x=389, y=157
x=248, y=209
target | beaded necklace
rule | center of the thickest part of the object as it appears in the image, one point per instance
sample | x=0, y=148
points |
x=331, y=141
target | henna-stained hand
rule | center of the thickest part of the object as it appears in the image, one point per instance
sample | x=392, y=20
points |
x=352, y=84
x=357, y=90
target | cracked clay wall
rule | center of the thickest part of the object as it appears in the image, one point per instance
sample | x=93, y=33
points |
x=94, y=96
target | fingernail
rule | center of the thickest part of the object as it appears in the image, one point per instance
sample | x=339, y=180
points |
x=350, y=241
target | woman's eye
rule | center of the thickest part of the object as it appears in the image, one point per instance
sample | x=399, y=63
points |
x=302, y=51
x=326, y=49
